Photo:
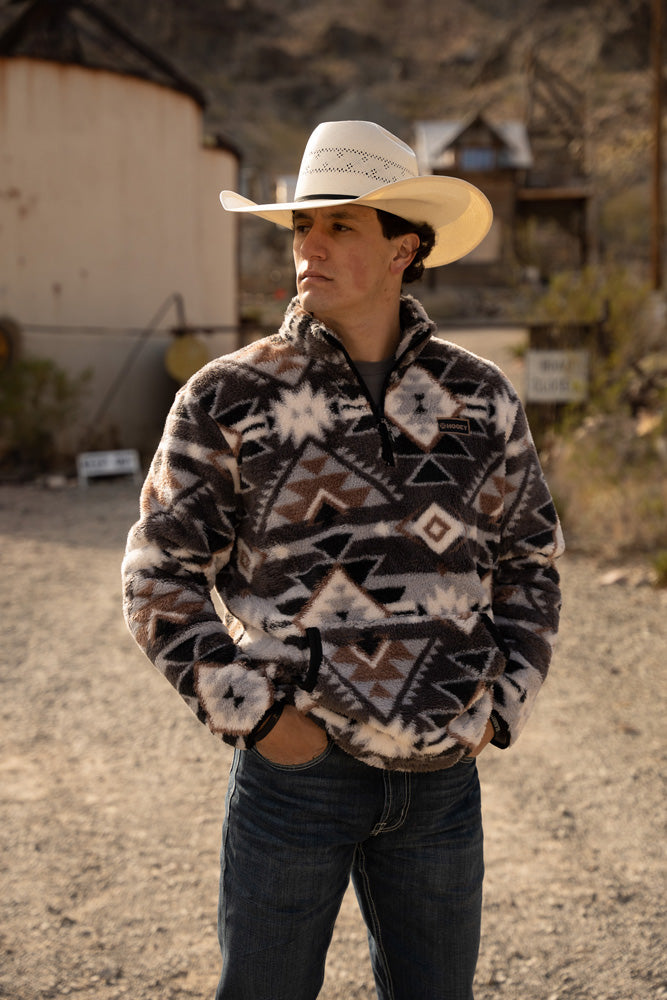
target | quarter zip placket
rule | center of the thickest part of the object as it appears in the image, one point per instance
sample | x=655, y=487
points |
x=387, y=448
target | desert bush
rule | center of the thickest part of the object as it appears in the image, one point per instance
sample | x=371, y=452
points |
x=660, y=568
x=610, y=488
x=38, y=403
x=606, y=459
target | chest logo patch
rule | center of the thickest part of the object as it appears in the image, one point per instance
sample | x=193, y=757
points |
x=452, y=425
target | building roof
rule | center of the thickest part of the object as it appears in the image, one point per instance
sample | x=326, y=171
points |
x=433, y=140
x=79, y=32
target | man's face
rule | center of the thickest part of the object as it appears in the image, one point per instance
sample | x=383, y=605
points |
x=343, y=263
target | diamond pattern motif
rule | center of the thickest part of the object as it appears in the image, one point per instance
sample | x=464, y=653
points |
x=280, y=488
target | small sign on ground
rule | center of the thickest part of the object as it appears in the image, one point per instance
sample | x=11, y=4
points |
x=93, y=464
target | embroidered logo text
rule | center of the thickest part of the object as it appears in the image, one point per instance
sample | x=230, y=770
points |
x=452, y=425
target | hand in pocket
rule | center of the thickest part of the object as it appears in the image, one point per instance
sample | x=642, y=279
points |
x=295, y=739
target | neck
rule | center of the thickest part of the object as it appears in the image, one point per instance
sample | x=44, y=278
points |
x=373, y=337
x=370, y=344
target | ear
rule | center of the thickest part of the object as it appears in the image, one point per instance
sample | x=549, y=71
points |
x=406, y=248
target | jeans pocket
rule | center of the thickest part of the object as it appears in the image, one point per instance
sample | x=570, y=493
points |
x=299, y=766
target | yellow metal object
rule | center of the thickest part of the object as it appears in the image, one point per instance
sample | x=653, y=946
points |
x=186, y=355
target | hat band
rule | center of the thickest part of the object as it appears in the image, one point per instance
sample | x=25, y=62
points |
x=329, y=197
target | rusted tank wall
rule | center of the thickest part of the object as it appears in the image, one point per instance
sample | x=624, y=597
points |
x=108, y=206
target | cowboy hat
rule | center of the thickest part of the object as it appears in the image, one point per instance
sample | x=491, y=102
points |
x=361, y=163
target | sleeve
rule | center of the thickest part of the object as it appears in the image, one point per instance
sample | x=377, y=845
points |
x=526, y=591
x=183, y=539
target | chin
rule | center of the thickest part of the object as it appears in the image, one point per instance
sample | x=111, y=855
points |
x=310, y=301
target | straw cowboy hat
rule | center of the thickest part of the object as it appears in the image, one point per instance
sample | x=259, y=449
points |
x=361, y=163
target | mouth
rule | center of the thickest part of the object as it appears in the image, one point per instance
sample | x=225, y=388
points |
x=313, y=277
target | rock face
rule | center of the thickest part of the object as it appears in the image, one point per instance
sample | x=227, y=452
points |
x=271, y=68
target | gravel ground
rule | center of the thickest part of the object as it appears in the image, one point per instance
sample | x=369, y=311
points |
x=112, y=793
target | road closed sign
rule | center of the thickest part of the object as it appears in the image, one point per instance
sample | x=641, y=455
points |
x=556, y=376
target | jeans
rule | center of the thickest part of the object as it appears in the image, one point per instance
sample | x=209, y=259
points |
x=293, y=836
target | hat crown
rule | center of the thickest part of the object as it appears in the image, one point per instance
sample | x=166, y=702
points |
x=351, y=159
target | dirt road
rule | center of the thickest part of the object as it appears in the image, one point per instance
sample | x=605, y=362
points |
x=112, y=793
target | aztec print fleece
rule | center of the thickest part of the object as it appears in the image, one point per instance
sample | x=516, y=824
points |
x=389, y=571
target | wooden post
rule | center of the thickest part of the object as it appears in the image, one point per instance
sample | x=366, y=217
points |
x=656, y=200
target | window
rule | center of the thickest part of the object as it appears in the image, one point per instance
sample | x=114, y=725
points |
x=477, y=158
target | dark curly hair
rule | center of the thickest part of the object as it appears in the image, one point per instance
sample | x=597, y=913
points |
x=393, y=225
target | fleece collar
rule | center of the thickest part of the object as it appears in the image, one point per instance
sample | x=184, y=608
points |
x=316, y=338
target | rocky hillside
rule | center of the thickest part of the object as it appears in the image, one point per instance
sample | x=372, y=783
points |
x=272, y=68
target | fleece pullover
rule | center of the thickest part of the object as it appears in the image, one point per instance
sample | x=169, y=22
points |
x=388, y=569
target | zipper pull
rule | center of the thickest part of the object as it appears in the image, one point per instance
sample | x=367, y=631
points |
x=387, y=449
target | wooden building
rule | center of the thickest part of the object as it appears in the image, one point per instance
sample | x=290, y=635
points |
x=533, y=173
x=496, y=157
x=555, y=207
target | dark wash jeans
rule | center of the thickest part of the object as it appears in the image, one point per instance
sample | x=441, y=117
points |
x=292, y=837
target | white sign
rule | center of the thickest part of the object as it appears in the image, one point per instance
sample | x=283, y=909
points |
x=556, y=376
x=108, y=463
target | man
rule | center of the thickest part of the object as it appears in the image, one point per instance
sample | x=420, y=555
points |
x=367, y=501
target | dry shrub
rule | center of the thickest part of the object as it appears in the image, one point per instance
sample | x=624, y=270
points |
x=607, y=467
x=38, y=403
x=611, y=494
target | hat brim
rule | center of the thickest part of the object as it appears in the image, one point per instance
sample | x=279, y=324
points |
x=458, y=211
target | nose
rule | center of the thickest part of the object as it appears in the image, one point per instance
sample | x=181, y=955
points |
x=312, y=243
